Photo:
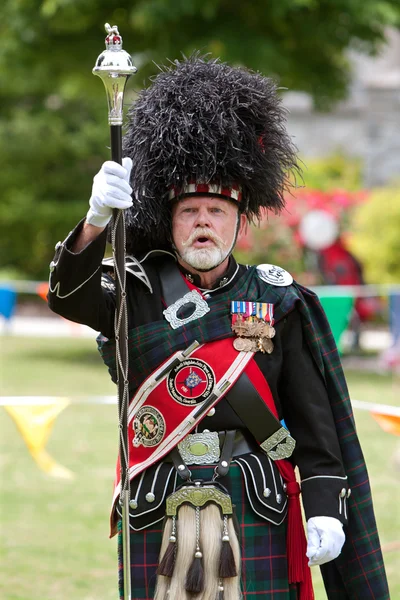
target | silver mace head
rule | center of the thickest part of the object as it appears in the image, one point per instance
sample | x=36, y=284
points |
x=114, y=66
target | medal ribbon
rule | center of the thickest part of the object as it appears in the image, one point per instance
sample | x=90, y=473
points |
x=261, y=310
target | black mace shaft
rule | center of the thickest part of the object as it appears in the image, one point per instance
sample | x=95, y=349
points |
x=114, y=66
x=116, y=143
x=121, y=335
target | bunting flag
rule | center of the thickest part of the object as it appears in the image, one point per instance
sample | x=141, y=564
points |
x=389, y=423
x=388, y=417
x=338, y=310
x=42, y=290
x=35, y=422
x=8, y=299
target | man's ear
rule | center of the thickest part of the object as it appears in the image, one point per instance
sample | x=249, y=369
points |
x=243, y=224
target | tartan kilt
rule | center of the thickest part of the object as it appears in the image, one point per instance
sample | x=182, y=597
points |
x=263, y=549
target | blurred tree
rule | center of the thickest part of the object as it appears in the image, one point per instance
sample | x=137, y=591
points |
x=53, y=125
x=375, y=236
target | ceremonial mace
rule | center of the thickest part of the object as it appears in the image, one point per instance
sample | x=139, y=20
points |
x=114, y=66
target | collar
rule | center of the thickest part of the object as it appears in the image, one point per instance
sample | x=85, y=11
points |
x=230, y=273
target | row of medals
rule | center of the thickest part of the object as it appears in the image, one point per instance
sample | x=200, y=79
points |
x=255, y=335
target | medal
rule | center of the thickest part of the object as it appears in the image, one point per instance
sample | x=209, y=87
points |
x=268, y=331
x=240, y=326
x=253, y=324
x=266, y=345
x=243, y=344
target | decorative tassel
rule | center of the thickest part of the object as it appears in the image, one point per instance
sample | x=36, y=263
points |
x=296, y=543
x=195, y=576
x=227, y=567
x=298, y=569
x=167, y=563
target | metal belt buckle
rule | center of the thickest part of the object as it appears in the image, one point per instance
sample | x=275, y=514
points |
x=200, y=448
x=279, y=445
x=193, y=297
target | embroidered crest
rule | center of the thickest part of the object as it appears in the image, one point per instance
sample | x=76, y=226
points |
x=191, y=382
x=274, y=275
x=149, y=427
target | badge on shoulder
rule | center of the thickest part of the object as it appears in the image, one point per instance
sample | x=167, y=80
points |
x=274, y=275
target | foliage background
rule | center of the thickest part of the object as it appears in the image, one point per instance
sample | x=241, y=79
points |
x=375, y=235
x=53, y=124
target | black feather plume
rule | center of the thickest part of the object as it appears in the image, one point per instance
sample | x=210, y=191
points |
x=203, y=120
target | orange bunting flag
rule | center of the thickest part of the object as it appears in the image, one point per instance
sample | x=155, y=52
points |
x=388, y=417
x=42, y=290
x=389, y=423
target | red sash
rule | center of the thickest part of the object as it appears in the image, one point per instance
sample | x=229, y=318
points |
x=168, y=406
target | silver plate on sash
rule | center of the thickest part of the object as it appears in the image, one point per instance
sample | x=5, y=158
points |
x=279, y=445
x=200, y=448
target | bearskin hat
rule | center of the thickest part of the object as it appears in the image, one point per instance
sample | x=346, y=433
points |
x=204, y=121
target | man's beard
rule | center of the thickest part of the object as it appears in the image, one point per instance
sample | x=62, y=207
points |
x=205, y=259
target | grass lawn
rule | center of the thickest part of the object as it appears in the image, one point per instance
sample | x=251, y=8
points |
x=54, y=532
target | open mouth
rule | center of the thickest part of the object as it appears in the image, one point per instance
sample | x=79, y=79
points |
x=202, y=241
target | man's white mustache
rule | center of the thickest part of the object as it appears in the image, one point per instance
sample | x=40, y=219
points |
x=204, y=232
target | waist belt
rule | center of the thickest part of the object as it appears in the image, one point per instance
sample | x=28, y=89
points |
x=205, y=448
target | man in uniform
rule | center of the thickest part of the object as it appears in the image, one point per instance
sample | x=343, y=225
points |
x=235, y=366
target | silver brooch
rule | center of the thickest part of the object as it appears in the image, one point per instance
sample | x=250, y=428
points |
x=171, y=313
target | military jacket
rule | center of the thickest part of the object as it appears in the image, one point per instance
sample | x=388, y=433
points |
x=83, y=290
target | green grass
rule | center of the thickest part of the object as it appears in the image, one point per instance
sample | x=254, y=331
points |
x=54, y=532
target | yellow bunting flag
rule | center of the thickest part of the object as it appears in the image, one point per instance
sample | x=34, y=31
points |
x=35, y=423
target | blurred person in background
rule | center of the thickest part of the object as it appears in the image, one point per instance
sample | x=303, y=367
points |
x=234, y=366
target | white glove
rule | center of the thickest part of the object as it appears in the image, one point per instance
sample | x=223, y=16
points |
x=325, y=539
x=110, y=190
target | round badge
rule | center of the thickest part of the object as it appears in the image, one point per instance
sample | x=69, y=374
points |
x=191, y=382
x=149, y=427
x=274, y=275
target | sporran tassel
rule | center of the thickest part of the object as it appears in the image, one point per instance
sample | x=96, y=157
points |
x=195, y=577
x=167, y=563
x=227, y=567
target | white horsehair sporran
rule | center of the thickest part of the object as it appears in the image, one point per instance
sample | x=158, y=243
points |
x=200, y=551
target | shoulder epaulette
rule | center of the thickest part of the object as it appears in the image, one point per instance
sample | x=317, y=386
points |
x=132, y=266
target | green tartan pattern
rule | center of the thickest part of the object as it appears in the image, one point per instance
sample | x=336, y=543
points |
x=263, y=549
x=359, y=570
x=358, y=573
